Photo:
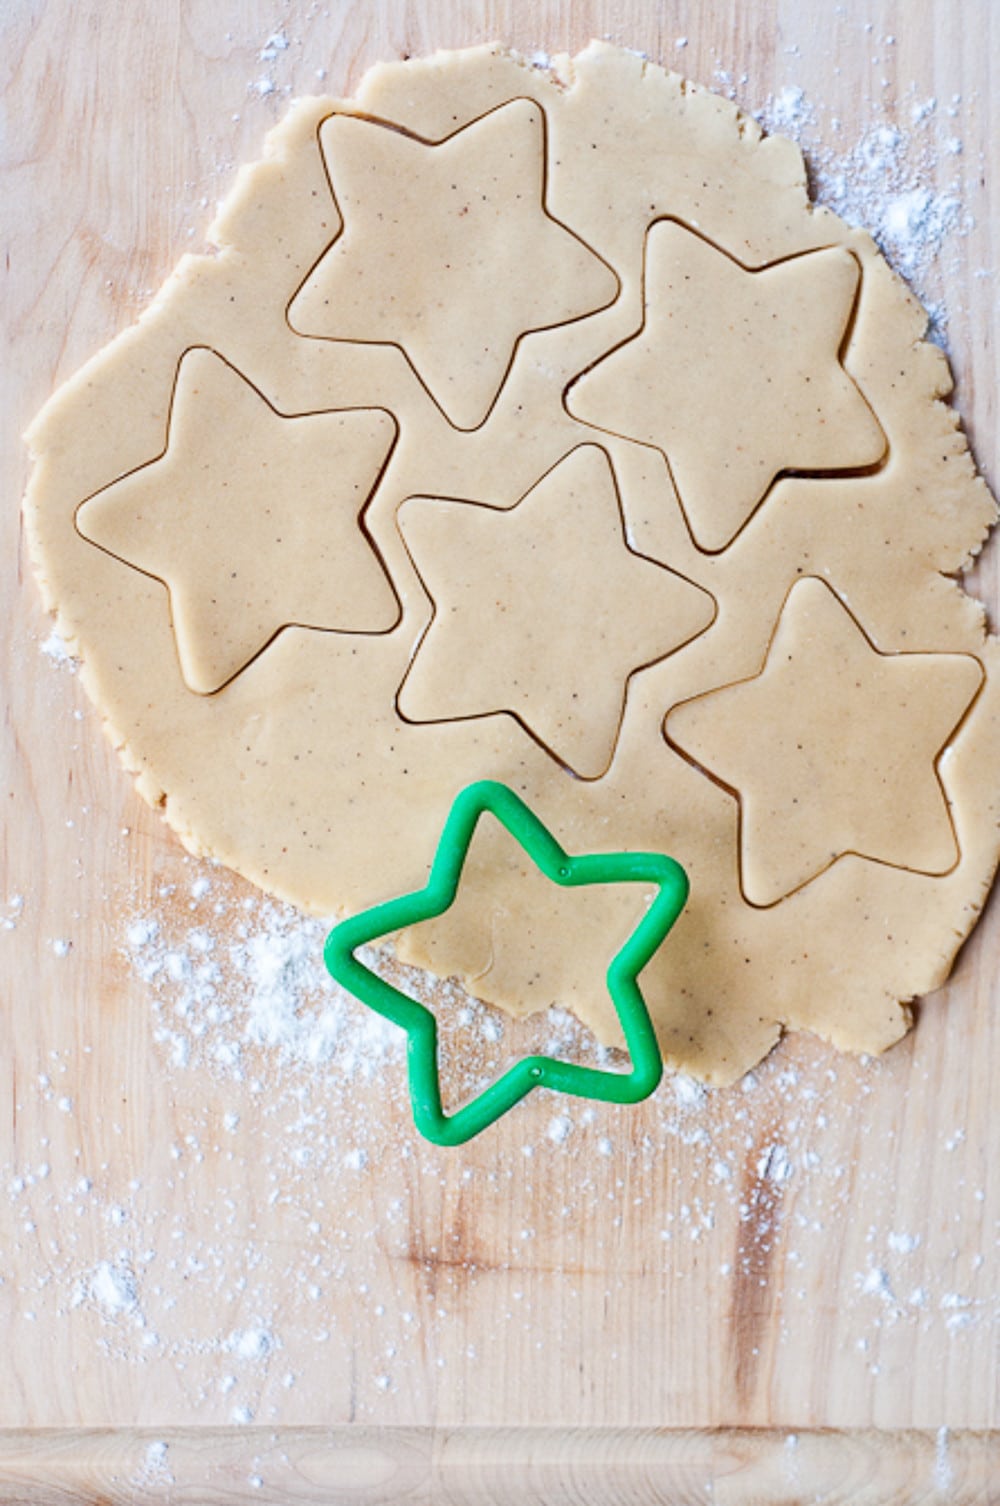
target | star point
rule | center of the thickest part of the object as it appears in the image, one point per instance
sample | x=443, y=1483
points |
x=251, y=519
x=448, y=251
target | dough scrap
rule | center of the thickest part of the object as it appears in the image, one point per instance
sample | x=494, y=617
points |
x=301, y=771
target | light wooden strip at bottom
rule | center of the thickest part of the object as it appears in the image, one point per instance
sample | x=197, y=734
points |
x=494, y=1466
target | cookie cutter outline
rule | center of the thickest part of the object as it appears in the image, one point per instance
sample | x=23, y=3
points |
x=437, y=896
x=162, y=455
x=506, y=510
x=344, y=110
x=787, y=472
x=740, y=797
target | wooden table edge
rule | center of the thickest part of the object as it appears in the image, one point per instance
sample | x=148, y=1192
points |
x=562, y=1466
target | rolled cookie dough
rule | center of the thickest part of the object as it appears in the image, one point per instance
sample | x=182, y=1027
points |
x=535, y=426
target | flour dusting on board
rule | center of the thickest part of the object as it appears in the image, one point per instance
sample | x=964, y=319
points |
x=258, y=980
x=272, y=1067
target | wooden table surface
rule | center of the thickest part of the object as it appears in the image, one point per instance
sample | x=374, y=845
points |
x=540, y=1314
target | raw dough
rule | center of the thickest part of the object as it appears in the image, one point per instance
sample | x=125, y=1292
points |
x=735, y=376
x=231, y=457
x=426, y=280
x=552, y=388
x=510, y=632
x=849, y=760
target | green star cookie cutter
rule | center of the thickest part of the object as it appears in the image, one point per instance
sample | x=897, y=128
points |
x=436, y=897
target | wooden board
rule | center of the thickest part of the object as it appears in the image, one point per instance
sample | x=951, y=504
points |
x=494, y=1467
x=819, y=1250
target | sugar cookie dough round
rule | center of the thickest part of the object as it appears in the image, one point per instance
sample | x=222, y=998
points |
x=534, y=426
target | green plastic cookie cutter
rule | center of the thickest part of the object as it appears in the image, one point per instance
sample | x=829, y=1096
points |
x=532, y=1071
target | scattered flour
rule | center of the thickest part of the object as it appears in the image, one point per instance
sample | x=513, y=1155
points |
x=14, y=907
x=690, y=1093
x=876, y=1283
x=252, y=1344
x=881, y=183
x=154, y=1470
x=788, y=109
x=58, y=652
x=256, y=981
x=276, y=42
x=114, y=1289
x=775, y=1165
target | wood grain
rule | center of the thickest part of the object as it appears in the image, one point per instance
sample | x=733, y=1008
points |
x=496, y=1466
x=569, y=1288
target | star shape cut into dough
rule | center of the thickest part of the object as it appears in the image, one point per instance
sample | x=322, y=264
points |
x=735, y=375
x=252, y=520
x=542, y=610
x=448, y=251
x=832, y=748
x=436, y=897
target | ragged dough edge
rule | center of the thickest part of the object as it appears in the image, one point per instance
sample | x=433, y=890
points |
x=784, y=157
x=280, y=145
x=785, y=169
x=223, y=238
x=282, y=142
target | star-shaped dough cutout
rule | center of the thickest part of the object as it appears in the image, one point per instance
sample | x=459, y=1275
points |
x=251, y=519
x=736, y=376
x=542, y=610
x=832, y=748
x=436, y=897
x=448, y=251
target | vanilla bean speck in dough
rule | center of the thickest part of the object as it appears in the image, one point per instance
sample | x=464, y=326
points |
x=535, y=426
